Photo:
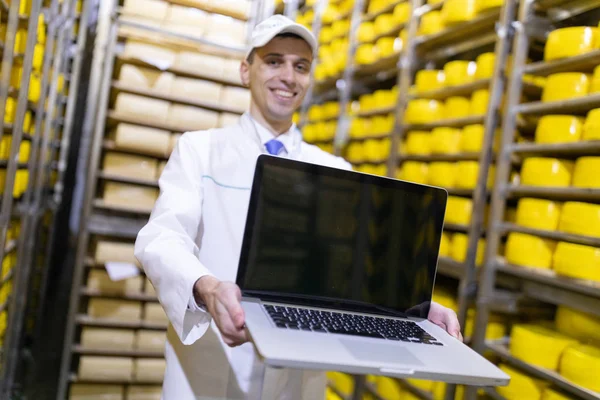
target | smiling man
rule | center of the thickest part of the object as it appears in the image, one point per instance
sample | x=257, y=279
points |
x=191, y=245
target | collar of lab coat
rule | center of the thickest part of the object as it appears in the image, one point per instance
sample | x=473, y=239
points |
x=286, y=138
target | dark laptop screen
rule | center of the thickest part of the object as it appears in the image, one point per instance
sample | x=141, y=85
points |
x=319, y=235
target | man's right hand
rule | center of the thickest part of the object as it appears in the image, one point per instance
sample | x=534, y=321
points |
x=222, y=299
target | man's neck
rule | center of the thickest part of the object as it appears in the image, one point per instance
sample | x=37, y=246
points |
x=275, y=127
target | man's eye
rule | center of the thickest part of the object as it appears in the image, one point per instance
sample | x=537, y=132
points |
x=273, y=62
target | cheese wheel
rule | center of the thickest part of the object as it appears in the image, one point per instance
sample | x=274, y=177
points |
x=149, y=9
x=521, y=386
x=577, y=261
x=150, y=340
x=119, y=310
x=160, y=169
x=591, y=128
x=479, y=102
x=529, y=251
x=142, y=108
x=149, y=369
x=402, y=13
x=559, y=129
x=145, y=78
x=566, y=85
x=460, y=244
x=459, y=72
x=538, y=213
x=580, y=219
x=445, y=140
x=472, y=138
x=570, y=42
x=237, y=8
x=580, y=364
x=114, y=251
x=550, y=394
x=445, y=245
x=226, y=30
x=538, y=171
x=200, y=64
x=153, y=312
x=105, y=368
x=99, y=280
x=383, y=23
x=442, y=174
x=458, y=11
x=466, y=174
x=112, y=339
x=79, y=391
x=485, y=65
x=227, y=119
x=422, y=384
x=129, y=196
x=458, y=210
x=143, y=140
x=418, y=142
x=129, y=166
x=189, y=118
x=236, y=98
x=366, y=54
x=231, y=71
x=586, y=173
x=149, y=288
x=422, y=111
x=414, y=171
x=431, y=23
x=538, y=345
x=595, y=85
x=144, y=392
x=578, y=324
x=389, y=388
x=457, y=107
x=180, y=15
x=157, y=56
x=136, y=33
x=427, y=80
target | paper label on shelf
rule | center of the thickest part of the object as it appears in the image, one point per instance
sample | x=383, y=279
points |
x=118, y=271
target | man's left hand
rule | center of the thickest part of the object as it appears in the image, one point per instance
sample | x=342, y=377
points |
x=445, y=318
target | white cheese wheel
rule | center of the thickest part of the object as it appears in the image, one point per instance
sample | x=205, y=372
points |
x=160, y=169
x=194, y=32
x=196, y=89
x=112, y=339
x=142, y=108
x=129, y=196
x=226, y=30
x=99, y=280
x=153, y=312
x=200, y=64
x=105, y=368
x=125, y=165
x=149, y=369
x=228, y=119
x=150, y=340
x=143, y=140
x=120, y=310
x=189, y=118
x=138, y=33
x=81, y=391
x=173, y=141
x=149, y=288
x=157, y=56
x=114, y=251
x=144, y=392
x=186, y=16
x=231, y=71
x=150, y=9
x=237, y=8
x=133, y=76
x=236, y=98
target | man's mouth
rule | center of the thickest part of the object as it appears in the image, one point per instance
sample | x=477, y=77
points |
x=283, y=94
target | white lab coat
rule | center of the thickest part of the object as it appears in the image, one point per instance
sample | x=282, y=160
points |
x=195, y=229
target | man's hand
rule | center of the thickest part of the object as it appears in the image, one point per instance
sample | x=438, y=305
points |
x=445, y=318
x=222, y=299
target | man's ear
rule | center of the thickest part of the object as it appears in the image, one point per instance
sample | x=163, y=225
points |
x=245, y=73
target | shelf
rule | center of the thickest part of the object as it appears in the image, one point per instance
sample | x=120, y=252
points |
x=4, y=164
x=575, y=149
x=456, y=227
x=553, y=235
x=114, y=118
x=387, y=9
x=86, y=320
x=394, y=31
x=547, y=286
x=451, y=123
x=459, y=90
x=205, y=6
x=133, y=209
x=440, y=157
x=123, y=179
x=125, y=381
x=120, y=87
x=449, y=267
x=362, y=139
x=78, y=349
x=501, y=350
x=555, y=193
x=159, y=66
x=111, y=146
x=491, y=392
x=121, y=296
x=117, y=226
x=420, y=393
x=562, y=10
x=10, y=246
x=382, y=69
x=372, y=390
x=365, y=162
x=378, y=111
x=581, y=63
x=320, y=141
x=579, y=106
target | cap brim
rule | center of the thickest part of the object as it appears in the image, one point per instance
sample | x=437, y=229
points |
x=297, y=29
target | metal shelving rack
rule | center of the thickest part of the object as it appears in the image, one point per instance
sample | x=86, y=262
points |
x=97, y=219
x=544, y=286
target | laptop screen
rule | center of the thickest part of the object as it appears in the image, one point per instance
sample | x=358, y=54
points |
x=324, y=236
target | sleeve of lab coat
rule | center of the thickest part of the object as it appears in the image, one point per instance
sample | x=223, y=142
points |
x=166, y=246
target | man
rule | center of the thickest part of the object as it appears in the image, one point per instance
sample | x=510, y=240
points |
x=191, y=245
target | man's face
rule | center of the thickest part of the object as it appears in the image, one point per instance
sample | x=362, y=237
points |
x=278, y=77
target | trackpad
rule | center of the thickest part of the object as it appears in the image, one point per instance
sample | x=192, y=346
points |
x=384, y=353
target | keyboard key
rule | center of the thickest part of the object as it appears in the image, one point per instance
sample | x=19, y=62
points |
x=281, y=325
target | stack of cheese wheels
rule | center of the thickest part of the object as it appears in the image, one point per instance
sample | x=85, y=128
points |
x=538, y=345
x=521, y=386
x=578, y=324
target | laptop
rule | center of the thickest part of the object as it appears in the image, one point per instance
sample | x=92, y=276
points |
x=337, y=270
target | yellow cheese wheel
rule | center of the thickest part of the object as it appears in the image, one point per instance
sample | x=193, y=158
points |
x=445, y=140
x=538, y=345
x=196, y=89
x=457, y=107
x=343, y=382
x=99, y=280
x=383, y=23
x=355, y=152
x=595, y=85
x=559, y=129
x=483, y=5
x=422, y=384
x=538, y=171
x=550, y=394
x=472, y=138
x=485, y=63
x=366, y=54
x=445, y=245
x=129, y=196
x=112, y=339
x=160, y=82
x=340, y=27
x=105, y=368
x=120, y=310
x=331, y=109
x=107, y=251
x=529, y=251
x=459, y=72
x=424, y=111
x=418, y=142
x=155, y=55
x=538, y=213
x=384, y=98
x=414, y=171
x=580, y=219
x=227, y=119
x=189, y=118
x=580, y=364
x=495, y=328
x=566, y=85
x=402, y=13
x=571, y=41
x=156, y=141
x=388, y=46
x=149, y=370
x=458, y=11
x=429, y=79
x=479, y=102
x=442, y=174
x=146, y=340
x=153, y=312
x=315, y=113
x=577, y=261
x=142, y=108
x=586, y=173
x=591, y=128
x=79, y=391
x=459, y=210
x=460, y=244
x=431, y=23
x=521, y=386
x=389, y=388
x=130, y=166
x=578, y=324
x=145, y=392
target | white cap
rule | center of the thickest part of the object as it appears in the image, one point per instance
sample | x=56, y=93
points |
x=264, y=32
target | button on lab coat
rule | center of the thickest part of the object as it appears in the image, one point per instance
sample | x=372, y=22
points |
x=196, y=229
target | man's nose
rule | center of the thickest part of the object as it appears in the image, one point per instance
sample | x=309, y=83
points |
x=287, y=74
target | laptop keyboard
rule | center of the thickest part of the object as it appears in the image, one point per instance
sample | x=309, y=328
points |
x=348, y=324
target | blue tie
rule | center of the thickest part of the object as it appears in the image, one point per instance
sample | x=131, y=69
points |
x=274, y=146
